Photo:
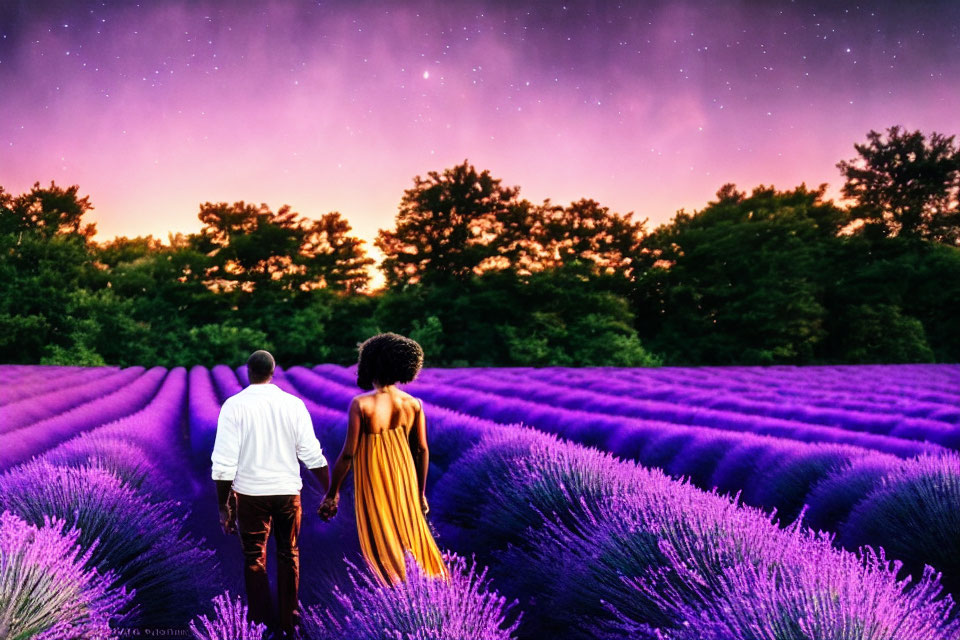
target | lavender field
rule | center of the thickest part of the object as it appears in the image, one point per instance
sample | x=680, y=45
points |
x=674, y=503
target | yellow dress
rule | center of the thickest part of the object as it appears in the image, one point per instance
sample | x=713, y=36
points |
x=387, y=505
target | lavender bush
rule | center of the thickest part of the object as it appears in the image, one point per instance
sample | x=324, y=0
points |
x=120, y=457
x=46, y=588
x=158, y=427
x=610, y=569
x=57, y=378
x=228, y=623
x=204, y=408
x=752, y=464
x=912, y=515
x=463, y=607
x=144, y=543
x=834, y=497
x=795, y=587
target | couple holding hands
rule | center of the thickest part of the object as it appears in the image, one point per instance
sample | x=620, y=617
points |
x=262, y=433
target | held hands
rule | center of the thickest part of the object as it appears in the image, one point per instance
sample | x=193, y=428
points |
x=328, y=508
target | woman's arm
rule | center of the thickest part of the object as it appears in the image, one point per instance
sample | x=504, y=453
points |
x=343, y=463
x=421, y=453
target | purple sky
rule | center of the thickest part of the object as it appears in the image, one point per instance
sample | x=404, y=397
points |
x=153, y=108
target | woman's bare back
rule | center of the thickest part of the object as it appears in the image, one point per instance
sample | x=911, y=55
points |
x=387, y=409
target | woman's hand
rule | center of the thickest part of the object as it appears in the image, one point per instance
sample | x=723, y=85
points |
x=424, y=506
x=328, y=508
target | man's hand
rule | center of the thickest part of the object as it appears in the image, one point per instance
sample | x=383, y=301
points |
x=227, y=501
x=228, y=519
x=328, y=508
x=424, y=506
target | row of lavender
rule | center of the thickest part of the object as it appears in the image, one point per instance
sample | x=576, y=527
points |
x=874, y=388
x=627, y=535
x=597, y=547
x=908, y=506
x=91, y=541
x=806, y=400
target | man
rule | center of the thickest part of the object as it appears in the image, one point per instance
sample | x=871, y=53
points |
x=261, y=433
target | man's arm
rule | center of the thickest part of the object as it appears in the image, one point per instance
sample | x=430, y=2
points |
x=225, y=460
x=308, y=448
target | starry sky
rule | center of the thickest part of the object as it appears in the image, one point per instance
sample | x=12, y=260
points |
x=154, y=107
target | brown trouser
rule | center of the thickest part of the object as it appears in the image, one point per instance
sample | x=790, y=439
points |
x=254, y=516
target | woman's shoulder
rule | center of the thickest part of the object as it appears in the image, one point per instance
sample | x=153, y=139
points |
x=410, y=399
x=363, y=399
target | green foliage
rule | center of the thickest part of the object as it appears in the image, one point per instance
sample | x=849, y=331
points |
x=906, y=186
x=934, y=298
x=481, y=277
x=566, y=318
x=44, y=260
x=429, y=334
x=104, y=326
x=892, y=300
x=254, y=250
x=450, y=224
x=22, y=337
x=881, y=334
x=737, y=282
x=45, y=212
x=213, y=344
x=77, y=354
x=351, y=322
x=298, y=333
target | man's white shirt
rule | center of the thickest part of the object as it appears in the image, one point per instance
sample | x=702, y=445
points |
x=261, y=433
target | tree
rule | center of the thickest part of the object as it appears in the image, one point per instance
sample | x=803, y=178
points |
x=45, y=258
x=256, y=250
x=46, y=212
x=906, y=186
x=453, y=225
x=214, y=344
x=586, y=231
x=337, y=258
x=890, y=300
x=880, y=334
x=565, y=317
x=737, y=283
x=122, y=249
x=429, y=334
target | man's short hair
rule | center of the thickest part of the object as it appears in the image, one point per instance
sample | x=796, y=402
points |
x=260, y=366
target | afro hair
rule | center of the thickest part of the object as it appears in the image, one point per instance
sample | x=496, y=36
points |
x=388, y=358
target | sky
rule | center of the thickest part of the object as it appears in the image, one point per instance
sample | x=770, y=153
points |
x=648, y=107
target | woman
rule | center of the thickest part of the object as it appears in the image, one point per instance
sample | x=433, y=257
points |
x=387, y=444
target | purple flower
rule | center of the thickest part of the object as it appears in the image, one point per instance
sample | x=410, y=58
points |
x=913, y=514
x=461, y=608
x=143, y=542
x=229, y=622
x=34, y=409
x=46, y=588
x=17, y=446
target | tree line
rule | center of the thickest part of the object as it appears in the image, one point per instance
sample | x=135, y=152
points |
x=482, y=277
